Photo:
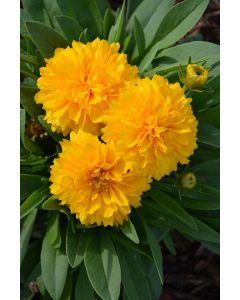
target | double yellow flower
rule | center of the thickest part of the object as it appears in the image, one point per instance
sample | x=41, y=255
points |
x=147, y=124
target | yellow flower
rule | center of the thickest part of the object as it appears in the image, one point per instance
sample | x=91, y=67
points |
x=96, y=181
x=153, y=121
x=77, y=84
x=196, y=76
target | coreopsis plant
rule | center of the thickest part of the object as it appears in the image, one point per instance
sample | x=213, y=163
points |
x=119, y=145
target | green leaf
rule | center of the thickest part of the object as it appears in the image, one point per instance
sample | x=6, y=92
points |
x=126, y=242
x=202, y=233
x=54, y=266
x=34, y=9
x=163, y=202
x=117, y=29
x=131, y=6
x=45, y=38
x=31, y=59
x=83, y=288
x=155, y=249
x=75, y=246
x=70, y=27
x=26, y=233
x=152, y=25
x=27, y=100
x=56, y=136
x=139, y=37
x=85, y=12
x=53, y=230
x=143, y=13
x=108, y=22
x=83, y=37
x=129, y=230
x=201, y=197
x=102, y=6
x=23, y=18
x=207, y=172
x=51, y=204
x=67, y=291
x=34, y=200
x=171, y=58
x=176, y=23
x=27, y=71
x=211, y=116
x=133, y=278
x=179, y=20
x=102, y=265
x=169, y=244
x=29, y=183
x=126, y=43
x=208, y=135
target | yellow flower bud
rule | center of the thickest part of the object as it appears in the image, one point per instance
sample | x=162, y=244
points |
x=196, y=76
x=188, y=180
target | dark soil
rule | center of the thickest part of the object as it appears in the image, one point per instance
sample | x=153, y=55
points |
x=193, y=274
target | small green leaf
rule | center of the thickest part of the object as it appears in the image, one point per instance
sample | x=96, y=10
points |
x=53, y=230
x=75, y=246
x=129, y=230
x=117, y=29
x=139, y=36
x=56, y=136
x=108, y=22
x=133, y=278
x=45, y=38
x=54, y=266
x=83, y=287
x=155, y=249
x=34, y=200
x=83, y=37
x=102, y=265
x=126, y=43
x=169, y=244
x=70, y=27
x=26, y=233
x=208, y=135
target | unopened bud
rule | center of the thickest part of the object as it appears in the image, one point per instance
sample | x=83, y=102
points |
x=196, y=76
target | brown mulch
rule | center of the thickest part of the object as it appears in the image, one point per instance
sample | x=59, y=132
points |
x=193, y=274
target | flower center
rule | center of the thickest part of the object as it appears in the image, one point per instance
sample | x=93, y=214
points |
x=153, y=128
x=99, y=179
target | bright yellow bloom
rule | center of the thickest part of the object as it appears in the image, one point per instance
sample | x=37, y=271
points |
x=95, y=181
x=77, y=84
x=196, y=76
x=153, y=121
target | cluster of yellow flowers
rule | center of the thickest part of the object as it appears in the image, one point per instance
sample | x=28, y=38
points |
x=147, y=127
